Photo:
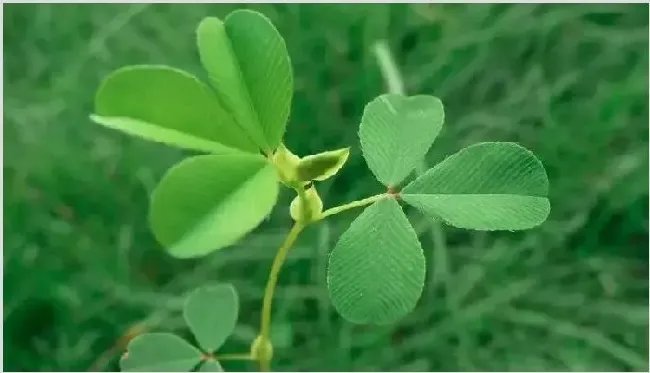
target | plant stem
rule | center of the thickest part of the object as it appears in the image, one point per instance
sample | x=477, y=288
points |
x=281, y=256
x=278, y=261
x=351, y=205
x=244, y=356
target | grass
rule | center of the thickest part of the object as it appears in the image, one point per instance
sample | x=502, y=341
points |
x=569, y=82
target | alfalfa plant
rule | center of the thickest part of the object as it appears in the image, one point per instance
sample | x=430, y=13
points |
x=207, y=202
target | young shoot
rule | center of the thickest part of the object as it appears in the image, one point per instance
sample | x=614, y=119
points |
x=237, y=121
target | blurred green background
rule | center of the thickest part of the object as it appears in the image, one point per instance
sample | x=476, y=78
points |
x=569, y=82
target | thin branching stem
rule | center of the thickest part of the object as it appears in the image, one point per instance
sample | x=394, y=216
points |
x=351, y=205
x=281, y=256
x=278, y=261
x=244, y=357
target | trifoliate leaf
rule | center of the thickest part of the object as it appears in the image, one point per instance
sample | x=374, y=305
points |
x=396, y=132
x=167, y=105
x=376, y=271
x=249, y=66
x=322, y=166
x=211, y=366
x=160, y=352
x=208, y=202
x=211, y=313
x=486, y=186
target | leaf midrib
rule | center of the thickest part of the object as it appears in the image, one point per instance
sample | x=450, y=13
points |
x=473, y=194
x=211, y=212
x=207, y=145
x=243, y=81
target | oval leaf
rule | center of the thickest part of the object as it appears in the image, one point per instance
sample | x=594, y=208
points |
x=208, y=202
x=211, y=313
x=486, y=186
x=376, y=271
x=248, y=64
x=163, y=104
x=396, y=132
x=219, y=60
x=160, y=352
x=321, y=166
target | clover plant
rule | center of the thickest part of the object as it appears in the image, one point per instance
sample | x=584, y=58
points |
x=237, y=120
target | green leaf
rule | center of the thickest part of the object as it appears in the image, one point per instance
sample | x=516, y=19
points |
x=211, y=366
x=249, y=66
x=208, y=202
x=266, y=69
x=219, y=60
x=376, y=271
x=396, y=132
x=167, y=105
x=211, y=313
x=160, y=352
x=486, y=186
x=321, y=166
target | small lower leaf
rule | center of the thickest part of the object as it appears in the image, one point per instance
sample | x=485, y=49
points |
x=376, y=271
x=160, y=352
x=211, y=313
x=211, y=366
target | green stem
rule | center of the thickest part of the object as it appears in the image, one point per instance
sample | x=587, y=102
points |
x=280, y=257
x=244, y=356
x=351, y=205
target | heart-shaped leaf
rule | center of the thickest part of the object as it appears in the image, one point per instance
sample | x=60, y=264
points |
x=249, y=66
x=211, y=366
x=486, y=186
x=376, y=271
x=167, y=105
x=321, y=166
x=396, y=132
x=208, y=202
x=160, y=352
x=211, y=313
